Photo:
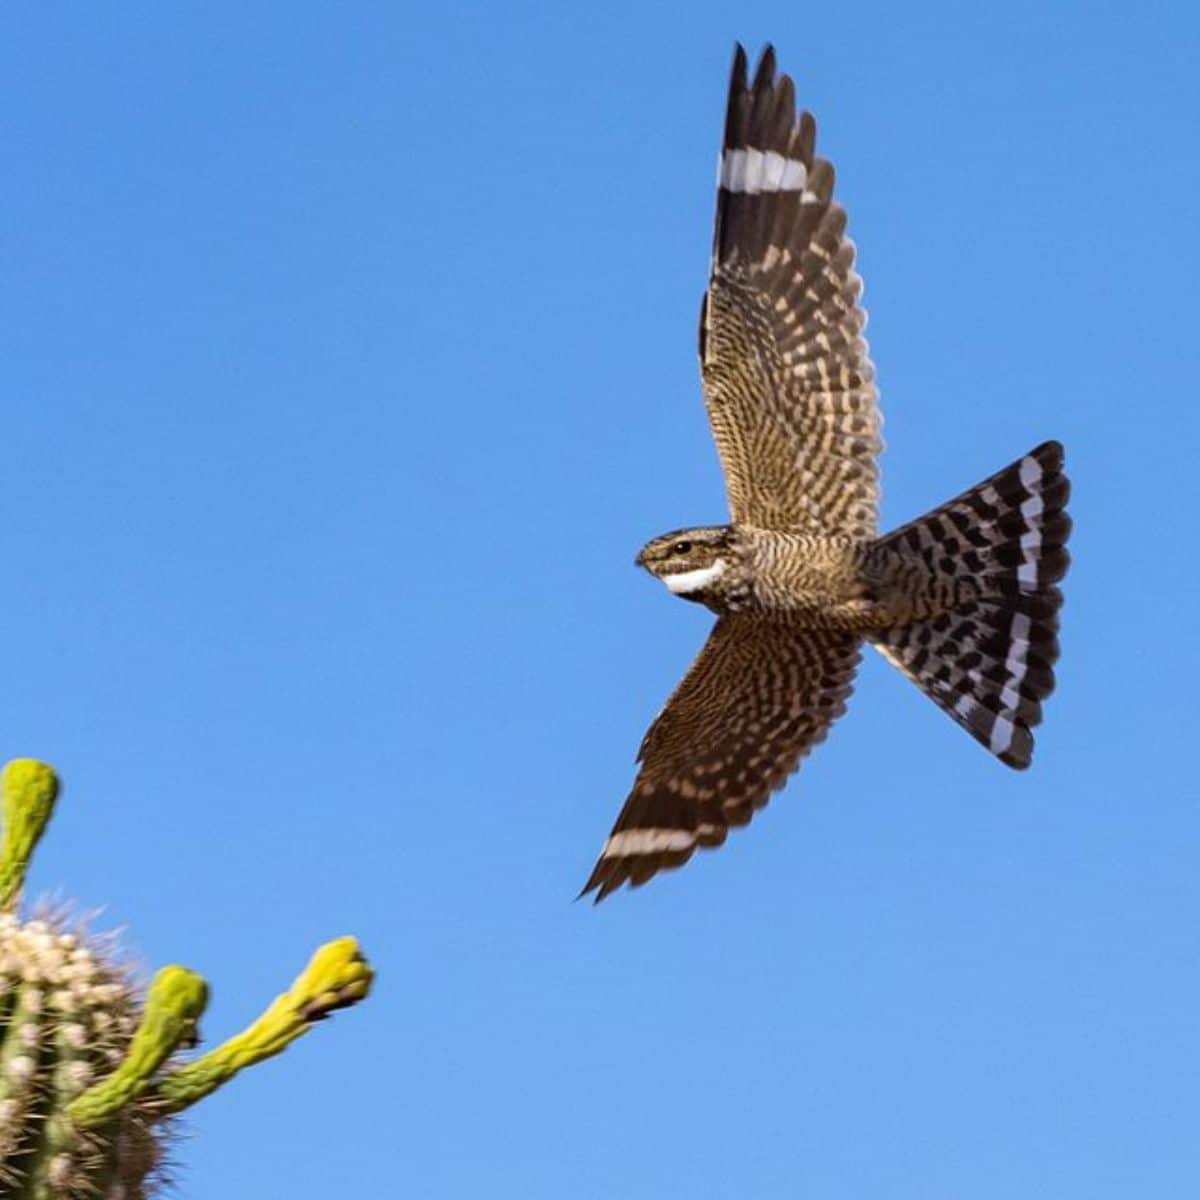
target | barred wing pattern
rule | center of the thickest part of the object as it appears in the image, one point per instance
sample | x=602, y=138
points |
x=758, y=697
x=787, y=379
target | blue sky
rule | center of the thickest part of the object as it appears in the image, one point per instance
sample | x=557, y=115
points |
x=346, y=359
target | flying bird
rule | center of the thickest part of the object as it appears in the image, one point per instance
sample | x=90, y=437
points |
x=963, y=600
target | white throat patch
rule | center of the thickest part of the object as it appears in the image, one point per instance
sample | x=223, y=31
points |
x=683, y=583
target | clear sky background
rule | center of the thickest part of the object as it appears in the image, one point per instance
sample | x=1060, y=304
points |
x=347, y=356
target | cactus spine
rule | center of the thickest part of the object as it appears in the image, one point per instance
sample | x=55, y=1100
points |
x=90, y=1075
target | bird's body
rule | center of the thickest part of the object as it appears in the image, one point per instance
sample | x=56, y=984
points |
x=841, y=583
x=963, y=600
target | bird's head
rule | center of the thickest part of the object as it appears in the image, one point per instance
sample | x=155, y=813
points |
x=692, y=562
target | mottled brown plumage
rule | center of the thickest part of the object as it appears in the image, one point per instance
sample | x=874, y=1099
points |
x=963, y=600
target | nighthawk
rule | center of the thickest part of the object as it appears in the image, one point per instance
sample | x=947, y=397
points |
x=963, y=600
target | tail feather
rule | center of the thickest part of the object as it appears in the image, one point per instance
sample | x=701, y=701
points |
x=990, y=663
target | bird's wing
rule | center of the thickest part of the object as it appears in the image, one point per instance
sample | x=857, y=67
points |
x=758, y=697
x=787, y=379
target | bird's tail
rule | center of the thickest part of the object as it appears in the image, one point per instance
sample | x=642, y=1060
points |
x=989, y=663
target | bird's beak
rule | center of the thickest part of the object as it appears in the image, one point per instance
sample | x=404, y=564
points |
x=640, y=561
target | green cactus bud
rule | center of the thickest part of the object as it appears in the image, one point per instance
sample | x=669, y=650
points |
x=90, y=1074
x=30, y=790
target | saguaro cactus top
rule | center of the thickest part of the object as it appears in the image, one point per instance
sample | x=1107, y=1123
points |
x=89, y=1072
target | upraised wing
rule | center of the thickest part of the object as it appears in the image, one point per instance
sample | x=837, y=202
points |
x=787, y=379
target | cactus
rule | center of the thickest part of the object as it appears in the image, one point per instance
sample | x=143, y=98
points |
x=90, y=1076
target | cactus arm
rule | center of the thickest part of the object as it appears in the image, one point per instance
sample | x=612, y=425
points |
x=174, y=1003
x=30, y=789
x=73, y=1125
x=337, y=976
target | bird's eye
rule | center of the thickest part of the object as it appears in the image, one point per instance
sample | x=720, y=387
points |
x=681, y=548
